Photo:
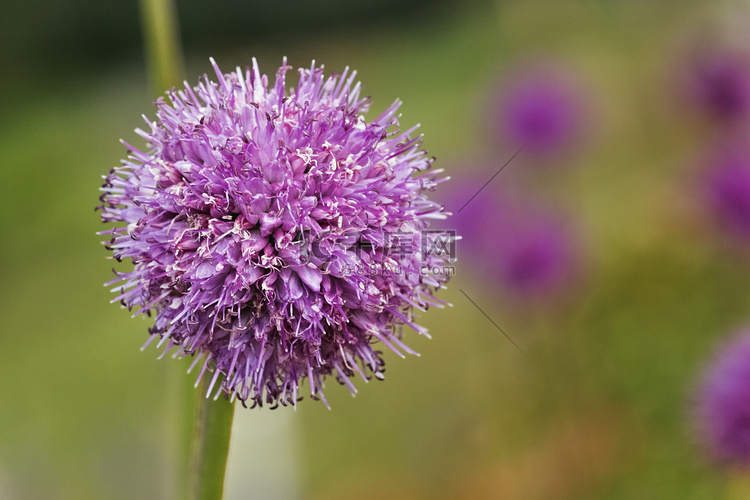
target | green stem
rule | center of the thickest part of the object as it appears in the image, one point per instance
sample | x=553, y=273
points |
x=161, y=35
x=164, y=60
x=180, y=402
x=210, y=448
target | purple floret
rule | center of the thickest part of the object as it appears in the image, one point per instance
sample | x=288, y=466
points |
x=540, y=109
x=246, y=217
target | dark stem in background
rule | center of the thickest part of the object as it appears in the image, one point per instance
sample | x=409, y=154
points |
x=210, y=446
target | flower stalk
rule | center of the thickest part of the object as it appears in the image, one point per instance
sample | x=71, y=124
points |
x=162, y=40
x=166, y=69
x=210, y=446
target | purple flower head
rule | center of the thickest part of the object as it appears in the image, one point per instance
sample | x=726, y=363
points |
x=728, y=189
x=247, y=219
x=723, y=403
x=541, y=110
x=536, y=259
x=719, y=82
x=513, y=242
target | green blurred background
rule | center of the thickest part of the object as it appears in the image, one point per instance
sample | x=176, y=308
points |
x=597, y=407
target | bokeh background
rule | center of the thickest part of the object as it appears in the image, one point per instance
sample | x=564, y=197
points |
x=607, y=251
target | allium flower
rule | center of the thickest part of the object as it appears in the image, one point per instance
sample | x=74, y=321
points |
x=516, y=244
x=535, y=260
x=728, y=186
x=540, y=109
x=719, y=82
x=246, y=218
x=723, y=403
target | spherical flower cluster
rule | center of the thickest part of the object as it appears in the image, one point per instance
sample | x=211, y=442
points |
x=519, y=245
x=719, y=83
x=536, y=260
x=541, y=110
x=247, y=218
x=728, y=190
x=723, y=404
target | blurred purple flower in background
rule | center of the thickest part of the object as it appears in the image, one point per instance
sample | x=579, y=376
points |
x=723, y=403
x=511, y=241
x=540, y=108
x=247, y=217
x=535, y=258
x=719, y=83
x=728, y=189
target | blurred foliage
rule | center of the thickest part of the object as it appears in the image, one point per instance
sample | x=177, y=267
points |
x=71, y=34
x=599, y=404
